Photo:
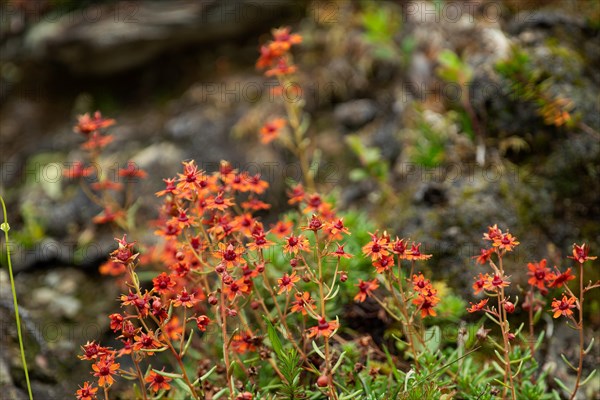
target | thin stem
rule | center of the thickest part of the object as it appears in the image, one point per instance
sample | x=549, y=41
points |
x=225, y=342
x=581, y=338
x=5, y=228
x=139, y=376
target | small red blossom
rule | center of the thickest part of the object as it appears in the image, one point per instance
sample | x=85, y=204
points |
x=302, y=302
x=580, y=253
x=86, y=392
x=480, y=282
x=560, y=279
x=86, y=124
x=104, y=369
x=477, y=307
x=563, y=306
x=484, y=256
x=132, y=171
x=540, y=274
x=294, y=244
x=506, y=242
x=287, y=282
x=323, y=328
x=77, y=170
x=163, y=283
x=377, y=248
x=202, y=322
x=415, y=253
x=271, y=130
x=365, y=289
x=157, y=381
x=185, y=299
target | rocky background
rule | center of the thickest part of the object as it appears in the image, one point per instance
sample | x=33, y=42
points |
x=179, y=78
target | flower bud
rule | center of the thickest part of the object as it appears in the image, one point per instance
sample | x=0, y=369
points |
x=219, y=269
x=294, y=262
x=323, y=381
x=255, y=305
x=509, y=307
x=212, y=300
x=343, y=277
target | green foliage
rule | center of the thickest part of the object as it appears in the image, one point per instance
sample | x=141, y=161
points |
x=288, y=362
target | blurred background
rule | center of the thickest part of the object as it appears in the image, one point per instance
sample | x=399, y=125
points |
x=435, y=118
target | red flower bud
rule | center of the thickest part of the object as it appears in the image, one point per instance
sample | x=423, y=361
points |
x=323, y=381
x=509, y=307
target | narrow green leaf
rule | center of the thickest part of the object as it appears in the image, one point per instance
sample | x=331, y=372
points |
x=562, y=385
x=168, y=374
x=188, y=342
x=586, y=380
x=589, y=348
x=567, y=362
x=339, y=362
x=317, y=350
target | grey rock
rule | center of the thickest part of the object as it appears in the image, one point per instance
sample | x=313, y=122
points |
x=356, y=113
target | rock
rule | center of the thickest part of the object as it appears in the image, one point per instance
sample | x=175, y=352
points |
x=108, y=38
x=355, y=114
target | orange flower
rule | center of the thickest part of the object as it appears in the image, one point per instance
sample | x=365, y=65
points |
x=484, y=256
x=146, y=342
x=104, y=370
x=281, y=68
x=283, y=39
x=77, y=170
x=477, y=307
x=539, y=274
x=296, y=195
x=191, y=177
x=271, y=130
x=132, y=171
x=157, y=381
x=563, y=306
x=202, y=322
x=557, y=281
x=86, y=124
x=230, y=255
x=112, y=268
x=506, y=242
x=480, y=282
x=172, y=329
x=107, y=216
x=302, y=301
x=163, y=283
x=495, y=282
x=335, y=228
x=282, y=228
x=86, y=392
x=218, y=202
x=295, y=243
x=340, y=253
x=237, y=287
x=420, y=284
x=185, y=299
x=286, y=282
x=426, y=302
x=92, y=351
x=171, y=187
x=384, y=264
x=365, y=288
x=323, y=328
x=493, y=233
x=399, y=247
x=377, y=248
x=580, y=253
x=415, y=253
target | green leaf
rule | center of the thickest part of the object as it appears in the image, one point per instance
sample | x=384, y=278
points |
x=433, y=338
x=586, y=380
x=168, y=374
x=562, y=385
x=274, y=338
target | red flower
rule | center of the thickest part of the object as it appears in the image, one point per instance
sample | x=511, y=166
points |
x=365, y=288
x=384, y=264
x=171, y=187
x=116, y=322
x=377, y=248
x=426, y=302
x=202, y=322
x=146, y=342
x=104, y=370
x=580, y=253
x=124, y=253
x=340, y=253
x=563, y=306
x=302, y=301
x=230, y=255
x=86, y=124
x=271, y=130
x=484, y=256
x=415, y=254
x=539, y=274
x=237, y=287
x=557, y=281
x=477, y=307
x=185, y=299
x=420, y=284
x=335, y=228
x=282, y=228
x=399, y=247
x=480, y=282
x=281, y=68
x=163, y=283
x=295, y=243
x=108, y=216
x=157, y=381
x=492, y=233
x=92, y=351
x=86, y=392
x=286, y=282
x=296, y=195
x=495, y=282
x=505, y=241
x=76, y=171
x=132, y=171
x=323, y=328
